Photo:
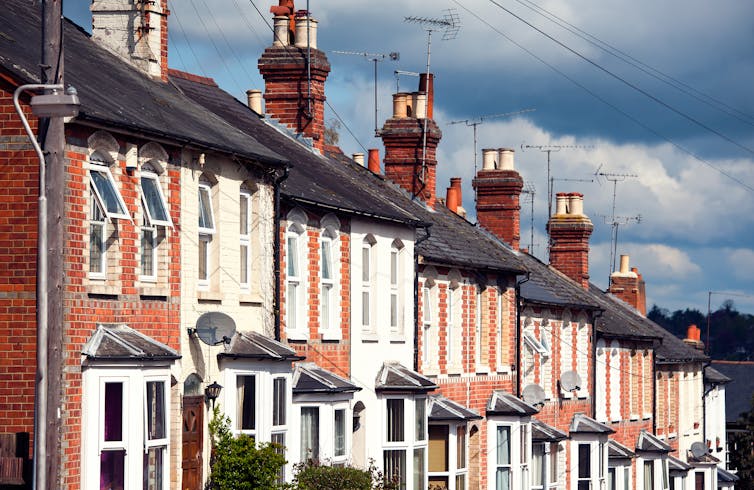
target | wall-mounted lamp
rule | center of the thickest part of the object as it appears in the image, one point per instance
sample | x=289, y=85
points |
x=212, y=391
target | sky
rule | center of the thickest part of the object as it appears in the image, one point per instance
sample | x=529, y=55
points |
x=652, y=94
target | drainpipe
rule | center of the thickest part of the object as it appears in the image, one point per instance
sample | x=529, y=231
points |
x=276, y=250
x=416, y=296
x=519, y=304
x=704, y=401
x=593, y=393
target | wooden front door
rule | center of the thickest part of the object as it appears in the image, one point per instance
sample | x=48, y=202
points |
x=193, y=442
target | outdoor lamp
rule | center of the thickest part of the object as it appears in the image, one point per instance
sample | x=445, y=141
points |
x=211, y=392
x=56, y=104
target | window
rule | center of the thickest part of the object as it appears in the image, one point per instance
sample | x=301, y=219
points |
x=279, y=417
x=309, y=433
x=524, y=455
x=244, y=238
x=327, y=284
x=246, y=410
x=395, y=466
x=649, y=475
x=156, y=441
x=339, y=436
x=155, y=205
x=538, y=468
x=395, y=422
x=461, y=457
x=503, y=458
x=420, y=470
x=450, y=339
x=447, y=456
x=478, y=328
x=428, y=317
x=367, y=296
x=105, y=205
x=502, y=352
x=665, y=475
x=148, y=249
x=420, y=419
x=396, y=276
x=296, y=290
x=206, y=231
x=97, y=245
x=112, y=443
x=584, y=467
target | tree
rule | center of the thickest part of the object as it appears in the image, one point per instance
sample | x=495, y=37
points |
x=332, y=135
x=239, y=463
x=742, y=457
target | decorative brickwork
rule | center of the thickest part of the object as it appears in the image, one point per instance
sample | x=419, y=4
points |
x=498, y=208
x=569, y=231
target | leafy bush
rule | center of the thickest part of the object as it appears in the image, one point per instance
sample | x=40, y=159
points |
x=239, y=463
x=313, y=475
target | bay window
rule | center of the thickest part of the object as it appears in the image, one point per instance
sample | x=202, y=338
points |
x=339, y=433
x=447, y=456
x=309, y=433
x=503, y=458
x=246, y=404
x=405, y=446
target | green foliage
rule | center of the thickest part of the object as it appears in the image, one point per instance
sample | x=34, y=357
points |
x=313, y=475
x=742, y=458
x=238, y=462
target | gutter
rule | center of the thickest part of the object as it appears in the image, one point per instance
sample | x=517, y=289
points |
x=519, y=305
x=276, y=249
x=416, y=294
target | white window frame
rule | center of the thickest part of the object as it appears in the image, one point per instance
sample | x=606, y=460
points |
x=148, y=227
x=102, y=168
x=329, y=288
x=95, y=213
x=316, y=452
x=429, y=315
x=244, y=238
x=549, y=465
x=478, y=329
x=597, y=463
x=453, y=470
x=501, y=367
x=296, y=315
x=410, y=443
x=206, y=233
x=367, y=300
x=615, y=372
x=396, y=288
x=149, y=175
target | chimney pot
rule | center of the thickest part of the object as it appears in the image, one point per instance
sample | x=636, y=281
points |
x=399, y=105
x=254, y=97
x=624, y=264
x=505, y=159
x=426, y=85
x=420, y=110
x=569, y=231
x=561, y=203
x=694, y=337
x=489, y=155
x=359, y=158
x=306, y=32
x=576, y=204
x=374, y=160
x=281, y=30
x=451, y=201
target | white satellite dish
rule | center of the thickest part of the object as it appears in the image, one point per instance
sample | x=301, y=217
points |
x=533, y=394
x=698, y=449
x=214, y=328
x=570, y=381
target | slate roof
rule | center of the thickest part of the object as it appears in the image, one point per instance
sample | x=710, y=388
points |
x=541, y=432
x=548, y=286
x=503, y=403
x=253, y=345
x=651, y=444
x=675, y=464
x=121, y=342
x=739, y=391
x=114, y=93
x=714, y=377
x=393, y=376
x=444, y=409
x=616, y=450
x=310, y=378
x=583, y=424
x=726, y=476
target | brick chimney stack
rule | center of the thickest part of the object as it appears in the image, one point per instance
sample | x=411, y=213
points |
x=135, y=31
x=404, y=138
x=628, y=285
x=294, y=89
x=569, y=230
x=498, y=188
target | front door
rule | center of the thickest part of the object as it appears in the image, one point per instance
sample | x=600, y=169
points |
x=193, y=442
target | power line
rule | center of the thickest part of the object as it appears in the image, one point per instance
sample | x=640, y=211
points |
x=627, y=83
x=174, y=14
x=230, y=48
x=606, y=102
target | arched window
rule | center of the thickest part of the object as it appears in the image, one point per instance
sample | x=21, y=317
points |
x=329, y=276
x=207, y=230
x=367, y=284
x=155, y=217
x=244, y=236
x=296, y=273
x=396, y=287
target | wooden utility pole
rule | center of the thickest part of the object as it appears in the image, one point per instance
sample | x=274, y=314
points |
x=52, y=138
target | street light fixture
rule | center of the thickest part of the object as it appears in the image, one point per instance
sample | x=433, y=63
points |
x=211, y=392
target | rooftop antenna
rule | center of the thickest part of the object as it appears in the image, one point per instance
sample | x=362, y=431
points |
x=615, y=221
x=549, y=149
x=450, y=24
x=479, y=120
x=398, y=73
x=529, y=191
x=376, y=58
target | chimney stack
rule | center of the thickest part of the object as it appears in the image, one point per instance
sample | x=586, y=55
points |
x=498, y=189
x=694, y=337
x=136, y=33
x=569, y=230
x=627, y=285
x=294, y=85
x=404, y=136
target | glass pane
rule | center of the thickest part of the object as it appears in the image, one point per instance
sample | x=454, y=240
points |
x=291, y=305
x=503, y=479
x=365, y=264
x=203, y=257
x=393, y=310
x=395, y=424
x=245, y=403
x=147, y=252
x=461, y=482
x=438, y=448
x=611, y=484
x=537, y=464
x=326, y=259
x=365, y=307
x=395, y=466
x=111, y=470
x=553, y=466
x=649, y=482
x=309, y=433
x=420, y=470
x=426, y=305
x=154, y=468
x=292, y=256
x=155, y=410
x=420, y=420
x=585, y=463
x=278, y=401
x=96, y=247
x=205, y=209
x=438, y=482
x=107, y=191
x=626, y=477
x=243, y=214
x=279, y=439
x=461, y=447
x=503, y=445
x=325, y=308
x=665, y=473
x=244, y=264
x=113, y=412
x=340, y=433
x=393, y=267
x=153, y=198
x=524, y=432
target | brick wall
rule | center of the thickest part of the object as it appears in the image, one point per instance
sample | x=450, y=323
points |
x=498, y=208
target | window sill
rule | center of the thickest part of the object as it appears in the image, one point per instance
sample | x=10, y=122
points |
x=296, y=336
x=369, y=337
x=455, y=370
x=248, y=298
x=647, y=416
x=482, y=370
x=397, y=339
x=153, y=290
x=103, y=288
x=431, y=371
x=331, y=335
x=209, y=295
x=503, y=370
x=633, y=417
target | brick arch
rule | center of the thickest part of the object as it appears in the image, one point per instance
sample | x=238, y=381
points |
x=154, y=154
x=105, y=144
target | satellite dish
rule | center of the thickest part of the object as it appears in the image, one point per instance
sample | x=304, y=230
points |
x=533, y=394
x=698, y=449
x=570, y=381
x=215, y=328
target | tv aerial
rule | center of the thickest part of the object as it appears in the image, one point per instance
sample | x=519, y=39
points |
x=529, y=192
x=534, y=395
x=375, y=58
x=214, y=328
